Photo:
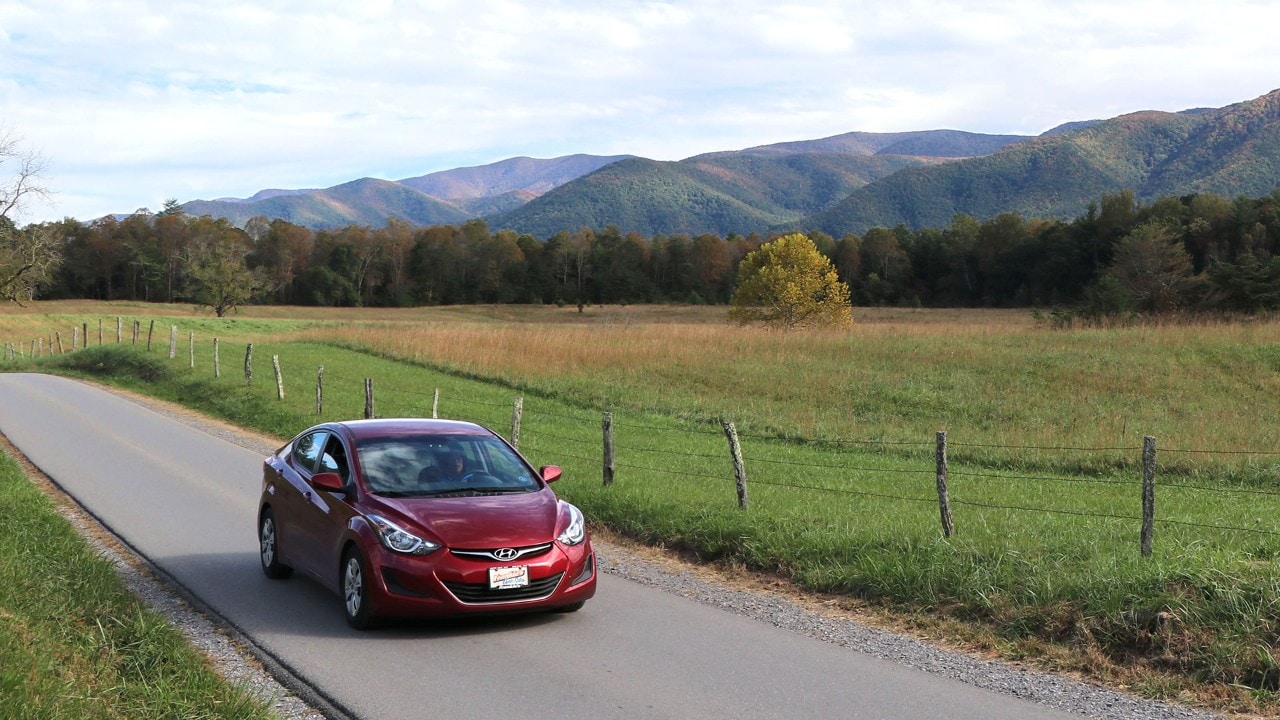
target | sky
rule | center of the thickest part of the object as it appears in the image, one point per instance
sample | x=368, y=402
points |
x=133, y=102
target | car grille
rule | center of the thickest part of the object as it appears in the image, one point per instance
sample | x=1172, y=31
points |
x=523, y=553
x=478, y=593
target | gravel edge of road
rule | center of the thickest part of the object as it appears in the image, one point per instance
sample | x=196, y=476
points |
x=238, y=660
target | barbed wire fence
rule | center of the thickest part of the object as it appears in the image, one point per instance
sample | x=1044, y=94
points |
x=731, y=465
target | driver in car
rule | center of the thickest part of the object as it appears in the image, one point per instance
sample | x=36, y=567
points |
x=455, y=465
x=449, y=469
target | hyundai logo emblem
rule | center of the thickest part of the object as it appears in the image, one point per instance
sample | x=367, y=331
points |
x=506, y=554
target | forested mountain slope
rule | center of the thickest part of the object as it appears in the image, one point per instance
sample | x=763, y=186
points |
x=1230, y=151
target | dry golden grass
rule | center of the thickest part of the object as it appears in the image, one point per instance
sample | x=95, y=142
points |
x=985, y=376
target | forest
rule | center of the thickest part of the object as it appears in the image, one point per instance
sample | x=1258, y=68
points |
x=1199, y=252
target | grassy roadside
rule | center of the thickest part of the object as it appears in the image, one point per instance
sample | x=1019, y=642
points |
x=76, y=644
x=1066, y=589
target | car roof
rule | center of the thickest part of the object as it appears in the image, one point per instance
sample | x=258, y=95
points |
x=385, y=427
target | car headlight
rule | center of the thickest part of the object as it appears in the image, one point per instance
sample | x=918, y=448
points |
x=577, y=530
x=400, y=540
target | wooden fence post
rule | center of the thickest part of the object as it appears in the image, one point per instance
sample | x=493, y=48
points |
x=58, y=335
x=119, y=328
x=248, y=364
x=75, y=337
x=173, y=341
x=435, y=405
x=136, y=331
x=739, y=468
x=320, y=390
x=1148, y=493
x=150, y=332
x=191, y=349
x=368, y=398
x=944, y=498
x=275, y=364
x=217, y=361
x=609, y=466
x=517, y=412
x=84, y=333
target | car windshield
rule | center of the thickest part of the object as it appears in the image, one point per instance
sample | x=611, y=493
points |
x=442, y=465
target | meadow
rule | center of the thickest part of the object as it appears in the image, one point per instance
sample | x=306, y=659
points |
x=1044, y=428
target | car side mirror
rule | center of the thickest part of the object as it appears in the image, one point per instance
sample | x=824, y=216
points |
x=330, y=481
x=550, y=473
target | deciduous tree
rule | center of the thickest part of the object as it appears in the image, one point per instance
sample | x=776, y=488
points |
x=787, y=283
x=28, y=256
x=1153, y=267
x=221, y=279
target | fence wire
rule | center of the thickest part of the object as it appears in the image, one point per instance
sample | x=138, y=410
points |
x=128, y=337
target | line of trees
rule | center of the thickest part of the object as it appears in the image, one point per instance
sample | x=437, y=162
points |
x=1194, y=252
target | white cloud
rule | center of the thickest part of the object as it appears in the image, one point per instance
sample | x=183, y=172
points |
x=135, y=101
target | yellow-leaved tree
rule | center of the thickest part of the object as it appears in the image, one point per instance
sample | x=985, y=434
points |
x=788, y=283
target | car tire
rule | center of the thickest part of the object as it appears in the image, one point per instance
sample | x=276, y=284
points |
x=353, y=581
x=575, y=607
x=269, y=547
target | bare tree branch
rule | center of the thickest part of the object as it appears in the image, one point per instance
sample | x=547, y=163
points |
x=25, y=181
x=28, y=256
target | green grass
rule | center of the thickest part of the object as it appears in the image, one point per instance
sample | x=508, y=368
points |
x=1045, y=560
x=75, y=644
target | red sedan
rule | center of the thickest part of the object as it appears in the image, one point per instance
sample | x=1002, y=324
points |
x=419, y=518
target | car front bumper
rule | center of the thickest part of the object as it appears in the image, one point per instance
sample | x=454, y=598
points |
x=442, y=584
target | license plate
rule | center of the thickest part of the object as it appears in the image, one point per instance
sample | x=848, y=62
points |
x=509, y=577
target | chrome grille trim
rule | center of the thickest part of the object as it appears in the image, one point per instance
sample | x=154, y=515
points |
x=523, y=552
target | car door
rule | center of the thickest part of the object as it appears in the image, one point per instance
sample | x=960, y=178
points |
x=323, y=515
x=288, y=474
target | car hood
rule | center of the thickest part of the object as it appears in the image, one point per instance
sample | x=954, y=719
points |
x=494, y=521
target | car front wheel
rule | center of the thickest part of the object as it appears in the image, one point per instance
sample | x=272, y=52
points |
x=355, y=590
x=269, y=547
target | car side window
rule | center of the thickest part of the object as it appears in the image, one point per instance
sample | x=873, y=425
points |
x=334, y=459
x=306, y=451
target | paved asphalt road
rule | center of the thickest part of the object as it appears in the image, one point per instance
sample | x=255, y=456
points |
x=187, y=501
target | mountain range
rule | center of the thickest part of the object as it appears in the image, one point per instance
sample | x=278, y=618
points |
x=840, y=184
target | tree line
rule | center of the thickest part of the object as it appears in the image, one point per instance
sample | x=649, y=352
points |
x=1196, y=252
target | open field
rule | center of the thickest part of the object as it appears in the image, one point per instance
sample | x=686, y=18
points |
x=1045, y=432
x=988, y=378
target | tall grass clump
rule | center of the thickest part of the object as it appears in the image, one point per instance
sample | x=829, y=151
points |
x=75, y=644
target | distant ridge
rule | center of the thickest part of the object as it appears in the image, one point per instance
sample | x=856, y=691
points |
x=740, y=191
x=360, y=202
x=924, y=143
x=448, y=196
x=839, y=184
x=1229, y=151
